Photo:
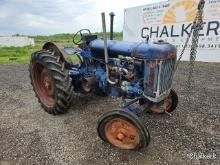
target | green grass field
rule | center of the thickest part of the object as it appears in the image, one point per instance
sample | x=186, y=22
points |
x=22, y=54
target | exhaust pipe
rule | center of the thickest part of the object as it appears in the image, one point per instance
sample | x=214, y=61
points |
x=105, y=49
x=111, y=24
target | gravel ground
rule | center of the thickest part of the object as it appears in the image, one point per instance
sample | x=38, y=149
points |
x=28, y=135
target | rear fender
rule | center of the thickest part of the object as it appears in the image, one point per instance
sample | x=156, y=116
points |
x=59, y=51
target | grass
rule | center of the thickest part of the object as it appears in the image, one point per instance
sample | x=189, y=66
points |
x=22, y=54
x=17, y=54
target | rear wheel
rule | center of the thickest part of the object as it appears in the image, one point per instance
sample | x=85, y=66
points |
x=51, y=82
x=123, y=129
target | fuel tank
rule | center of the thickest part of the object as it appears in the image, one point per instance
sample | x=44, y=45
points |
x=156, y=50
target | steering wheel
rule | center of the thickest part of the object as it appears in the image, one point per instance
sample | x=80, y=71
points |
x=80, y=32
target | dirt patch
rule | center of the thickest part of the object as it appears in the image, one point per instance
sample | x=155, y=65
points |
x=28, y=135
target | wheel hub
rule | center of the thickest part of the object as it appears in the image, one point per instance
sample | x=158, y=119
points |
x=44, y=84
x=122, y=134
x=47, y=82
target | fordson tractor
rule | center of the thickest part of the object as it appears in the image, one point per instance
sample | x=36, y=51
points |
x=137, y=72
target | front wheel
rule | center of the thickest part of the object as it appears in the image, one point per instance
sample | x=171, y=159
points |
x=174, y=97
x=123, y=129
x=51, y=82
x=169, y=104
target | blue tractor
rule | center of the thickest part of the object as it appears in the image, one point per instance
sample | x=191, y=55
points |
x=137, y=72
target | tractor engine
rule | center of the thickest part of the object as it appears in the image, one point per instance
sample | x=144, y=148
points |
x=135, y=69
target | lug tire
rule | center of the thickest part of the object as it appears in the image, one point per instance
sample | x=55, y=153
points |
x=127, y=116
x=175, y=99
x=62, y=83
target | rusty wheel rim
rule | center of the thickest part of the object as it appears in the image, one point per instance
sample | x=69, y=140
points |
x=167, y=104
x=122, y=134
x=43, y=83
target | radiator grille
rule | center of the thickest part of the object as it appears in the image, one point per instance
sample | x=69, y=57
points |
x=166, y=75
x=159, y=77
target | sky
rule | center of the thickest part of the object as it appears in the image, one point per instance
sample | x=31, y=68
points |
x=46, y=17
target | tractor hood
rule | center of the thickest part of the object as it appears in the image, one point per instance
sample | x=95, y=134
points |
x=156, y=50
